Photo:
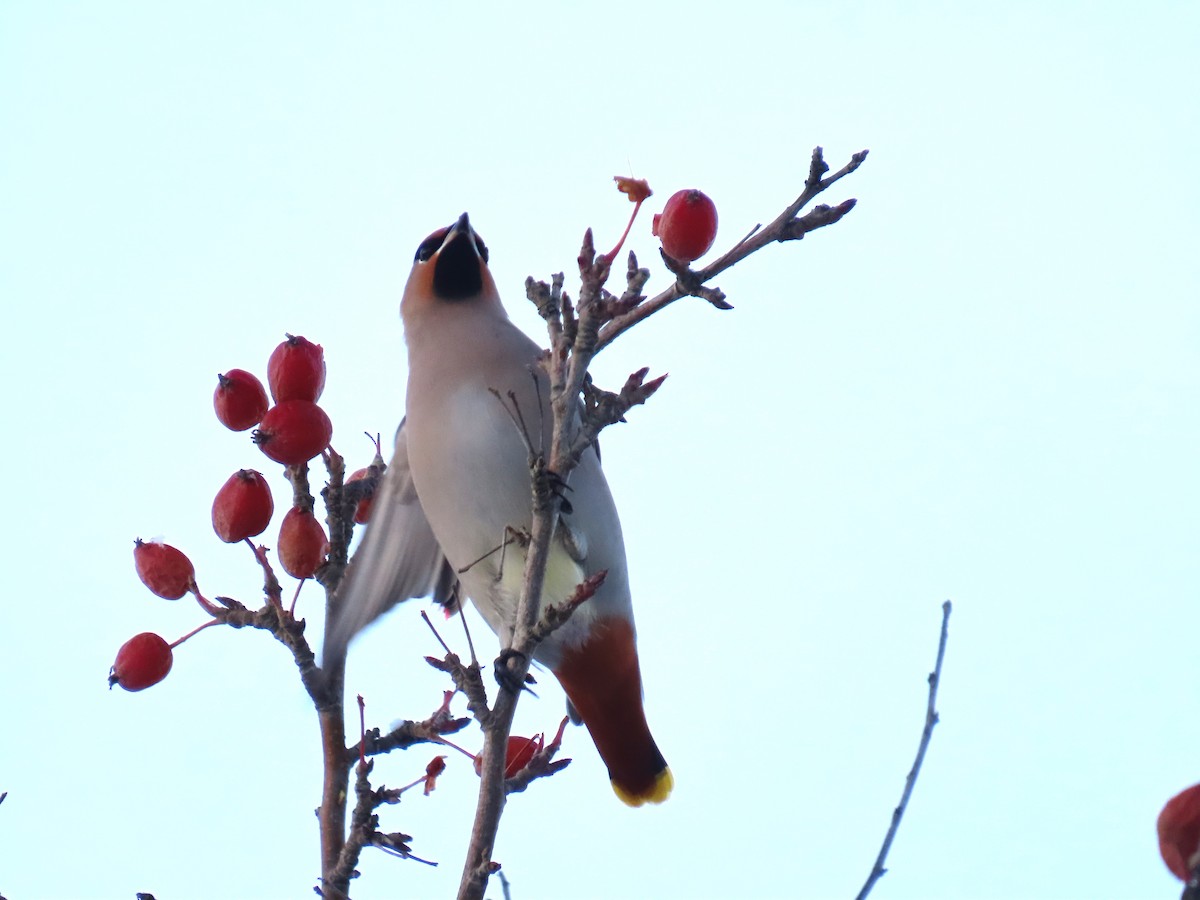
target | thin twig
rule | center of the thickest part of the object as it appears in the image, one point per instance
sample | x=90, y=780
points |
x=462, y=614
x=931, y=719
x=428, y=621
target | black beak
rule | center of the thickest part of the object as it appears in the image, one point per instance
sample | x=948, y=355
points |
x=457, y=273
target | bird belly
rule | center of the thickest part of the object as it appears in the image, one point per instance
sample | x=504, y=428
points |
x=475, y=488
x=471, y=472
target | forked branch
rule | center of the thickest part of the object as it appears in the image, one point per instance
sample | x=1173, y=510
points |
x=787, y=226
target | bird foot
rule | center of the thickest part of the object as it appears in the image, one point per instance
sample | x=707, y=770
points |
x=506, y=679
x=557, y=486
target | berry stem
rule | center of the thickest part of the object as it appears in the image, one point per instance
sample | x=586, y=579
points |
x=612, y=254
x=420, y=780
x=295, y=597
x=451, y=744
x=194, y=631
x=210, y=608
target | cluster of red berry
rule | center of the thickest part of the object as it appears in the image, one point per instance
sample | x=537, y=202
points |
x=291, y=432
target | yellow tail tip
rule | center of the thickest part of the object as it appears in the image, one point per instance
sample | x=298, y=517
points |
x=659, y=791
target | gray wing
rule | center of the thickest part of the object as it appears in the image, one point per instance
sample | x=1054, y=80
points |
x=398, y=559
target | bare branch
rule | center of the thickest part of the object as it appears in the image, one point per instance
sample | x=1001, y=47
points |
x=819, y=217
x=272, y=589
x=327, y=686
x=405, y=735
x=289, y=632
x=324, y=687
x=931, y=719
x=479, y=865
x=577, y=332
x=691, y=283
x=341, y=501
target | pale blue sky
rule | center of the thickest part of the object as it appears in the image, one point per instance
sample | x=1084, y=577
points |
x=980, y=386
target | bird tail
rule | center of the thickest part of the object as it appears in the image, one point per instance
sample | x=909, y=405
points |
x=603, y=682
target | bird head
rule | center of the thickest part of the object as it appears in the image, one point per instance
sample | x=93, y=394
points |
x=450, y=266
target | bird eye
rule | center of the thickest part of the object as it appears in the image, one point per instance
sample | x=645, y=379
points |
x=481, y=248
x=430, y=245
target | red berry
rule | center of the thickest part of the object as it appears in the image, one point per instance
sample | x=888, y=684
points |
x=362, y=512
x=240, y=400
x=520, y=752
x=296, y=370
x=687, y=226
x=242, y=507
x=163, y=569
x=293, y=432
x=302, y=543
x=142, y=661
x=1179, y=832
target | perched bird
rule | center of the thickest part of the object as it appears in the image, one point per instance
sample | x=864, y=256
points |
x=459, y=480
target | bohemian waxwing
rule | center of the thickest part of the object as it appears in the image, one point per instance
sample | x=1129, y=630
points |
x=460, y=477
